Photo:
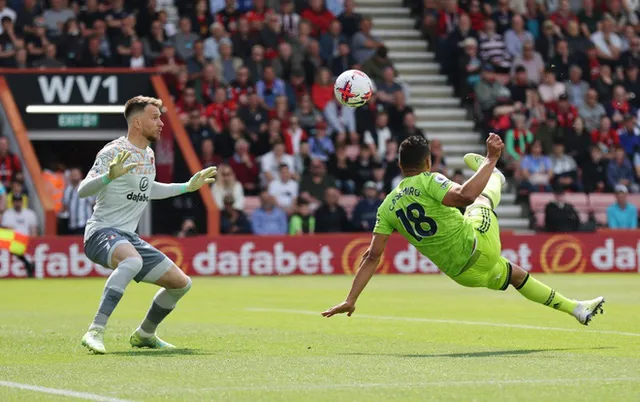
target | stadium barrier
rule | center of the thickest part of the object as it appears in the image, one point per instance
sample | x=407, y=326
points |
x=61, y=257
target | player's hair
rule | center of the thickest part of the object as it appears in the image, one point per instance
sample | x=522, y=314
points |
x=137, y=104
x=414, y=151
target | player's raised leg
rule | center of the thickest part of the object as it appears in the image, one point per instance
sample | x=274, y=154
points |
x=493, y=189
x=538, y=292
x=127, y=263
x=175, y=284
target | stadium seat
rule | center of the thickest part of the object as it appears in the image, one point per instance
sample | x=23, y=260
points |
x=635, y=200
x=600, y=202
x=348, y=202
x=601, y=218
x=538, y=201
x=580, y=201
x=540, y=219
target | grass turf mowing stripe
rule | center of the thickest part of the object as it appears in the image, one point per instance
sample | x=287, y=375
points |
x=455, y=322
x=62, y=392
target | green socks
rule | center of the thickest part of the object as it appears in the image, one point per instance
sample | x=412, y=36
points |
x=538, y=292
x=493, y=190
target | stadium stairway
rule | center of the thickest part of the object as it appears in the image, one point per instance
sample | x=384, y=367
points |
x=438, y=111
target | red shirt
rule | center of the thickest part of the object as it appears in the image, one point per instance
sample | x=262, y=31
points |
x=169, y=78
x=292, y=143
x=255, y=15
x=594, y=68
x=320, y=95
x=607, y=138
x=561, y=20
x=207, y=91
x=183, y=108
x=9, y=165
x=448, y=22
x=320, y=20
x=221, y=112
x=244, y=174
x=235, y=90
x=477, y=21
x=565, y=120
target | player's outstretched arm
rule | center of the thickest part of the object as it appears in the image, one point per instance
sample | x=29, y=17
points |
x=368, y=265
x=465, y=194
x=104, y=172
x=160, y=191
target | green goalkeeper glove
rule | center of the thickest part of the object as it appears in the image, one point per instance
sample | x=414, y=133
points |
x=117, y=167
x=205, y=176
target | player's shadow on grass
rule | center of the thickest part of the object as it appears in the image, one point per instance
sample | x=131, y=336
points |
x=489, y=353
x=161, y=352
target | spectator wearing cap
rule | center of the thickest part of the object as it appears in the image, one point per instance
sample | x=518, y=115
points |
x=520, y=85
x=620, y=171
x=321, y=146
x=493, y=50
x=20, y=218
x=376, y=66
x=549, y=132
x=245, y=167
x=350, y=19
x=531, y=61
x=232, y=219
x=502, y=16
x=343, y=61
x=622, y=214
x=629, y=135
x=314, y=183
x=284, y=189
x=330, y=40
x=559, y=215
x=605, y=135
x=591, y=111
x=546, y=42
x=366, y=210
x=330, y=216
x=608, y=43
x=364, y=43
x=536, y=170
x=515, y=37
x=270, y=87
x=285, y=63
x=269, y=219
x=302, y=222
x=565, y=169
x=576, y=88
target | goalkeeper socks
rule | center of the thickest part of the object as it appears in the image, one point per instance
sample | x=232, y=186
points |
x=114, y=289
x=163, y=303
x=538, y=292
x=493, y=190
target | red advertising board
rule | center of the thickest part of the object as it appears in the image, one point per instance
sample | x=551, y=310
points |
x=334, y=254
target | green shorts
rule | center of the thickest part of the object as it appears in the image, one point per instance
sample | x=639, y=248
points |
x=486, y=267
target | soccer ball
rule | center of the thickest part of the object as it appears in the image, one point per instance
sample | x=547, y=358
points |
x=353, y=88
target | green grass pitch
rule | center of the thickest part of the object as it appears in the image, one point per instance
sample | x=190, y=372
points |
x=412, y=338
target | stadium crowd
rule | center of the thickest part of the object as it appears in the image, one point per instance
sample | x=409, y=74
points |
x=252, y=82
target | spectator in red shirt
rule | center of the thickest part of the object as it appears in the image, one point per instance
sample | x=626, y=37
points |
x=619, y=106
x=605, y=136
x=449, y=17
x=294, y=136
x=220, y=111
x=319, y=17
x=240, y=88
x=9, y=163
x=245, y=167
x=259, y=12
x=476, y=16
x=322, y=89
x=187, y=104
x=563, y=15
x=593, y=63
x=170, y=65
x=565, y=111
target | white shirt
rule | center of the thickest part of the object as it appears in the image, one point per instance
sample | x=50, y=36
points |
x=296, y=139
x=236, y=192
x=285, y=193
x=120, y=204
x=21, y=222
x=137, y=62
x=384, y=135
x=550, y=93
x=598, y=39
x=269, y=163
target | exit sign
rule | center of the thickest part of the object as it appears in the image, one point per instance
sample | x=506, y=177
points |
x=84, y=120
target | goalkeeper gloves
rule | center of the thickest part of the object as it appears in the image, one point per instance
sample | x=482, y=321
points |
x=117, y=167
x=205, y=176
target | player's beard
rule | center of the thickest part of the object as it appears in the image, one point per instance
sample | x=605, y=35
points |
x=152, y=136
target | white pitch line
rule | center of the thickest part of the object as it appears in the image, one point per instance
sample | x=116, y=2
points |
x=63, y=392
x=425, y=384
x=455, y=322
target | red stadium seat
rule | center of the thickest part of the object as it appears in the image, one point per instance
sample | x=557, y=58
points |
x=601, y=218
x=540, y=219
x=600, y=202
x=538, y=201
x=635, y=200
x=580, y=201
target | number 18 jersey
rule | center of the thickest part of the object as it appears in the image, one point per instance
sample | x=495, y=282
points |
x=414, y=209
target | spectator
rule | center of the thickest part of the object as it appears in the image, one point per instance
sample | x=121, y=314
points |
x=320, y=145
x=270, y=87
x=520, y=85
x=578, y=43
x=170, y=65
x=546, y=43
x=608, y=43
x=619, y=106
x=312, y=62
x=245, y=167
x=559, y=63
x=124, y=39
x=550, y=90
x=286, y=63
x=363, y=167
x=536, y=170
x=289, y=19
x=620, y=171
x=201, y=19
x=35, y=43
x=205, y=87
x=232, y=219
x=79, y=209
x=254, y=116
x=303, y=159
x=629, y=136
x=605, y=136
x=364, y=43
x=631, y=57
x=469, y=68
x=565, y=111
x=517, y=141
x=20, y=218
x=563, y=15
x=330, y=40
x=137, y=59
x=307, y=115
x=349, y=19
x=71, y=43
x=315, y=182
x=8, y=41
x=168, y=26
x=377, y=138
x=622, y=214
x=594, y=172
x=536, y=112
x=219, y=113
x=9, y=163
x=284, y=189
x=187, y=229
x=438, y=161
x=376, y=67
x=154, y=44
x=343, y=169
x=230, y=17
x=593, y=63
x=578, y=142
x=272, y=160
x=17, y=188
x=196, y=63
x=208, y=156
x=188, y=103
x=257, y=63
x=589, y=18
x=185, y=39
x=366, y=210
x=241, y=88
x=50, y=59
x=560, y=216
x=302, y=222
x=502, y=16
x=319, y=17
x=227, y=186
x=211, y=44
x=343, y=61
x=486, y=92
x=493, y=50
x=565, y=169
x=453, y=46
x=331, y=217
x=410, y=128
x=605, y=84
x=54, y=17
x=632, y=85
x=25, y=16
x=243, y=40
x=294, y=136
x=576, y=88
x=7, y=12
x=517, y=36
x=271, y=34
x=592, y=111
x=268, y=219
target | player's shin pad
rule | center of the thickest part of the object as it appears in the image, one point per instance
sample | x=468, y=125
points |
x=538, y=292
x=493, y=191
